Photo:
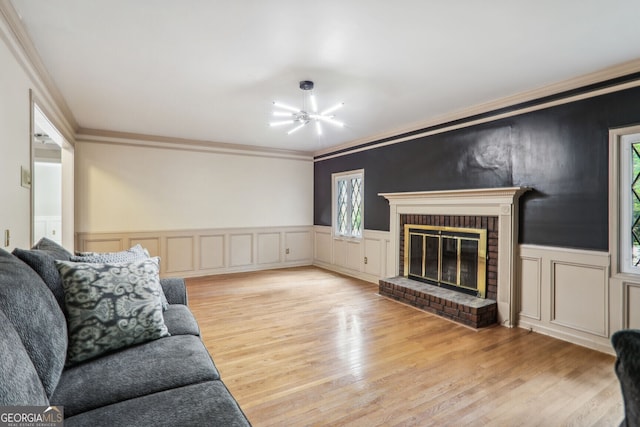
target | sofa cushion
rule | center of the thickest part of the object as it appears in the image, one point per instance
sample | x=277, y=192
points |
x=175, y=290
x=205, y=404
x=111, y=306
x=19, y=381
x=43, y=263
x=31, y=308
x=53, y=248
x=144, y=369
x=180, y=320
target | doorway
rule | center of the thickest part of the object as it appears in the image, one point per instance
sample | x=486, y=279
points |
x=50, y=158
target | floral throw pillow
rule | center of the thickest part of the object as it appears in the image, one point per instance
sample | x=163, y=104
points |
x=111, y=306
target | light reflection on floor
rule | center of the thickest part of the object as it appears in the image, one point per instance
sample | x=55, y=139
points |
x=349, y=340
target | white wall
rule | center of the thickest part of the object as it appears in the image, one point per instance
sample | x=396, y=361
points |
x=14, y=149
x=22, y=80
x=46, y=184
x=47, y=189
x=130, y=188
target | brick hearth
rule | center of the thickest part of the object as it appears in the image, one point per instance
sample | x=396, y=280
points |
x=456, y=306
x=459, y=307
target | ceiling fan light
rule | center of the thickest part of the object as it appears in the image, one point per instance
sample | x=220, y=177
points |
x=332, y=109
x=300, y=117
x=330, y=120
x=296, y=128
x=286, y=107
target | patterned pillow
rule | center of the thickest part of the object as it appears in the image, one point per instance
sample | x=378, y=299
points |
x=111, y=306
x=135, y=253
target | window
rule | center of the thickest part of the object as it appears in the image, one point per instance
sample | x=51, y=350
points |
x=629, y=193
x=348, y=203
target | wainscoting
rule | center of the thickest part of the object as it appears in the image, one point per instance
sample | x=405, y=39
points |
x=563, y=293
x=566, y=294
x=367, y=258
x=191, y=253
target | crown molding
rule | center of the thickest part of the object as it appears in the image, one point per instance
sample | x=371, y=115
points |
x=84, y=135
x=619, y=70
x=47, y=95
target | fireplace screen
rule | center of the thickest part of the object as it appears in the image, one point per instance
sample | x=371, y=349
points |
x=451, y=257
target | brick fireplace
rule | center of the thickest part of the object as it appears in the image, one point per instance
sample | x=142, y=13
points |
x=493, y=210
x=488, y=223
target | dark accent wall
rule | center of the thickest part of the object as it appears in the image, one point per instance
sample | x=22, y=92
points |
x=561, y=152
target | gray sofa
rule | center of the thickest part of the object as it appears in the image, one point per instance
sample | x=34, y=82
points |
x=167, y=381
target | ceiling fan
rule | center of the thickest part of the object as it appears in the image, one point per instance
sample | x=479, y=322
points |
x=300, y=117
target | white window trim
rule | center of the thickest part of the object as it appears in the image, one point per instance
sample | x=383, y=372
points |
x=334, y=202
x=619, y=200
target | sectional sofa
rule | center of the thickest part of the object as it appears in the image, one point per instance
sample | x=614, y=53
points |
x=58, y=347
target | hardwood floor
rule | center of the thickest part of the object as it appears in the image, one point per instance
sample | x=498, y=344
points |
x=308, y=347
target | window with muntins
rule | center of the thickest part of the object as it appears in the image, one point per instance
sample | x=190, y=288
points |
x=630, y=204
x=348, y=203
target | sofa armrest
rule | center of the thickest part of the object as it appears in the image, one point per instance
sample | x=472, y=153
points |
x=175, y=290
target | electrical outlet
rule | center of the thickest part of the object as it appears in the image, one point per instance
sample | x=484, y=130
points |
x=7, y=238
x=366, y=260
x=287, y=251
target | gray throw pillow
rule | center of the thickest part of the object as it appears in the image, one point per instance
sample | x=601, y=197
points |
x=111, y=306
x=54, y=249
x=43, y=263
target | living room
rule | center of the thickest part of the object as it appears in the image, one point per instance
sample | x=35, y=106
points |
x=210, y=208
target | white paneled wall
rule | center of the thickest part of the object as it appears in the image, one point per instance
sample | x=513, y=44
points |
x=189, y=253
x=565, y=293
x=366, y=258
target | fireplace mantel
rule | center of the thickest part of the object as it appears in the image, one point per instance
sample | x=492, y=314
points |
x=500, y=202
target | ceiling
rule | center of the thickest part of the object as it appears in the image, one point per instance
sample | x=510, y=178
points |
x=209, y=70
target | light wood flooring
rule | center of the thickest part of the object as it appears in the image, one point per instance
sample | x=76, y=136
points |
x=308, y=347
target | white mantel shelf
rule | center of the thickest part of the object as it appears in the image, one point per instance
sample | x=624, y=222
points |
x=478, y=195
x=501, y=202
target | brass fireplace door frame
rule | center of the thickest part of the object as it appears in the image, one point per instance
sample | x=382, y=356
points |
x=481, y=288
